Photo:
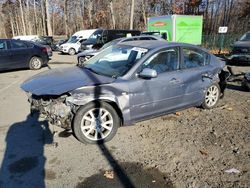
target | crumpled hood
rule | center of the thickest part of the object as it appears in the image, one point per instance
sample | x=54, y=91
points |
x=59, y=81
x=242, y=44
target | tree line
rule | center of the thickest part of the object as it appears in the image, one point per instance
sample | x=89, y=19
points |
x=64, y=17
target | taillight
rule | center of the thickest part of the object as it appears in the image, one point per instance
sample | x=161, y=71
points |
x=45, y=50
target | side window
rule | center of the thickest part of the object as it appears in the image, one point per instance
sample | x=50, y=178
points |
x=163, y=61
x=194, y=58
x=3, y=45
x=18, y=44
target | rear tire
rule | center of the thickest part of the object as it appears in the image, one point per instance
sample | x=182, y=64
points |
x=212, y=96
x=35, y=63
x=96, y=122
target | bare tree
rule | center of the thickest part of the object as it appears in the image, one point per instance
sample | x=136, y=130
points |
x=66, y=17
x=112, y=13
x=48, y=19
x=22, y=17
x=132, y=13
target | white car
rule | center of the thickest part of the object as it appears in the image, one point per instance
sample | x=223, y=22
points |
x=72, y=46
x=26, y=37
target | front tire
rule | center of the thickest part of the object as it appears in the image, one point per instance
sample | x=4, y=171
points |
x=35, y=63
x=212, y=96
x=72, y=51
x=96, y=122
x=81, y=60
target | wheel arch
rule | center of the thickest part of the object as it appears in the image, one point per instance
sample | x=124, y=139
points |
x=113, y=103
x=115, y=106
x=72, y=47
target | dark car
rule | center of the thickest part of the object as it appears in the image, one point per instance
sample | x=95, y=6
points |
x=60, y=42
x=103, y=36
x=246, y=81
x=241, y=50
x=124, y=84
x=46, y=41
x=85, y=55
x=16, y=54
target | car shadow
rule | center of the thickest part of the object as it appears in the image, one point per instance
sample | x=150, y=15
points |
x=23, y=164
x=236, y=87
x=20, y=69
x=118, y=170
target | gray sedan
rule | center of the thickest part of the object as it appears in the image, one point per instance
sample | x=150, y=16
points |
x=124, y=84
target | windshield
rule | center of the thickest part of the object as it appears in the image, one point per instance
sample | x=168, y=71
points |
x=245, y=37
x=115, y=61
x=73, y=39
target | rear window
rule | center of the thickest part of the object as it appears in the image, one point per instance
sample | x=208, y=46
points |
x=15, y=44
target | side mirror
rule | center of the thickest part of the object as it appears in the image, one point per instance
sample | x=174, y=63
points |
x=148, y=73
x=164, y=36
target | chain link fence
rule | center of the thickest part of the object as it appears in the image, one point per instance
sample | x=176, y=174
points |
x=213, y=42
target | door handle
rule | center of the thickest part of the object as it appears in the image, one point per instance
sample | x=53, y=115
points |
x=206, y=75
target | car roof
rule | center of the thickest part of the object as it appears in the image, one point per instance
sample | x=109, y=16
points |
x=153, y=44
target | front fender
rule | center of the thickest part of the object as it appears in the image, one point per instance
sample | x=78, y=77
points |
x=81, y=99
x=121, y=101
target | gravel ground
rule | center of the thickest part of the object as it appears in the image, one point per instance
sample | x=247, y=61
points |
x=191, y=148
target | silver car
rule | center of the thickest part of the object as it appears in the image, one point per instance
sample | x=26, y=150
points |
x=124, y=84
x=87, y=54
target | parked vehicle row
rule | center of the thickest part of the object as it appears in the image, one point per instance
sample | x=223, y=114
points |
x=73, y=45
x=43, y=40
x=86, y=54
x=126, y=83
x=93, y=39
x=16, y=54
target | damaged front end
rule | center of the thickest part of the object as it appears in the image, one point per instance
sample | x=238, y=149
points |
x=54, y=109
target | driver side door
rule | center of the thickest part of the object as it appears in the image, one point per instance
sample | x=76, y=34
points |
x=155, y=96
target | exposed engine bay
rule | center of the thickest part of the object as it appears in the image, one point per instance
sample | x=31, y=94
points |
x=54, y=109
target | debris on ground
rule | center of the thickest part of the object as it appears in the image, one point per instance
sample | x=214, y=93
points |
x=109, y=174
x=177, y=113
x=232, y=170
x=203, y=152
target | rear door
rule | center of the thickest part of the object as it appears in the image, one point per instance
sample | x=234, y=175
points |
x=21, y=53
x=194, y=65
x=5, y=55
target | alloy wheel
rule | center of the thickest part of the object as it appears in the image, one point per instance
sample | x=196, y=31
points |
x=212, y=96
x=97, y=124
